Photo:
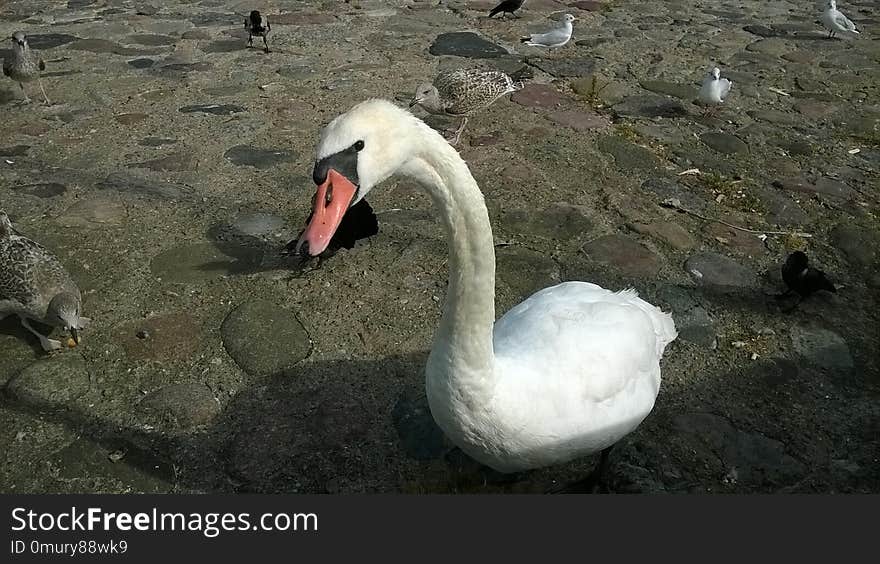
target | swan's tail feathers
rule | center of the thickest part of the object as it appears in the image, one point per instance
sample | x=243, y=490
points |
x=663, y=323
x=518, y=85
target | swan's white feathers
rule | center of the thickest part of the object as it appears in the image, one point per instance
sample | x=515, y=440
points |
x=378, y=123
x=563, y=374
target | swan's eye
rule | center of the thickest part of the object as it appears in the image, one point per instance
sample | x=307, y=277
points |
x=358, y=145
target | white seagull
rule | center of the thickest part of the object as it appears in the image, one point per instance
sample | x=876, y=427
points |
x=834, y=20
x=714, y=88
x=556, y=37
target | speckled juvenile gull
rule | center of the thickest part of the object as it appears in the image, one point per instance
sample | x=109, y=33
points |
x=714, y=88
x=834, y=20
x=24, y=65
x=556, y=37
x=462, y=92
x=35, y=286
x=257, y=25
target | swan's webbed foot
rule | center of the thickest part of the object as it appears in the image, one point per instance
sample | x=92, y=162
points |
x=592, y=484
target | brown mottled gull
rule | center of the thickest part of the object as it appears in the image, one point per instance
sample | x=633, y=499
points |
x=462, y=92
x=35, y=286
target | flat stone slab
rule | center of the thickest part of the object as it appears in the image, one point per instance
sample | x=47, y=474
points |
x=175, y=162
x=245, y=155
x=681, y=91
x=465, y=44
x=180, y=406
x=93, y=213
x=130, y=118
x=712, y=269
x=825, y=186
x=420, y=437
x=193, y=263
x=142, y=63
x=858, y=244
x=264, y=339
x=568, y=67
x=226, y=45
x=15, y=151
x=105, y=46
x=649, y=105
x=628, y=155
x=213, y=109
x=258, y=224
x=523, y=271
x=562, y=222
x=821, y=347
x=150, y=39
x=629, y=256
x=42, y=41
x=166, y=337
x=724, y=142
x=42, y=190
x=539, y=96
x=755, y=458
x=135, y=186
x=54, y=381
x=579, y=121
x=670, y=233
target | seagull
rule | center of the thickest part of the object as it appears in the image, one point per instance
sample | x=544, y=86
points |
x=24, y=65
x=556, y=37
x=714, y=88
x=463, y=91
x=35, y=286
x=802, y=278
x=834, y=20
x=258, y=25
x=507, y=7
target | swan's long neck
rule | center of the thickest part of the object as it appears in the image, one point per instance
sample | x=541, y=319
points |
x=461, y=365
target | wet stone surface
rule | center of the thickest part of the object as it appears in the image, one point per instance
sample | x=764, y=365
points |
x=465, y=44
x=263, y=339
x=244, y=155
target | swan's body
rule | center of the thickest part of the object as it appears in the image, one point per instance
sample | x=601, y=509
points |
x=714, y=88
x=566, y=373
x=834, y=20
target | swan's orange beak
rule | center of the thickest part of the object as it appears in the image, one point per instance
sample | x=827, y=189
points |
x=331, y=202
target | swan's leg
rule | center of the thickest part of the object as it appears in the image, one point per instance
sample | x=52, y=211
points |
x=266, y=43
x=45, y=342
x=250, y=42
x=591, y=483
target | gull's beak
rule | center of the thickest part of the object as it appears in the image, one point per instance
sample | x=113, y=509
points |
x=413, y=102
x=75, y=334
x=331, y=202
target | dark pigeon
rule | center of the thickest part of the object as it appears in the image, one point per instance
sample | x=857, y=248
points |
x=507, y=7
x=257, y=25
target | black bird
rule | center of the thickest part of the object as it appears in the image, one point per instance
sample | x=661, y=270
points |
x=802, y=278
x=359, y=222
x=258, y=25
x=507, y=7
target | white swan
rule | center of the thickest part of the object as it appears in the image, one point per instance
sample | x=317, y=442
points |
x=566, y=373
